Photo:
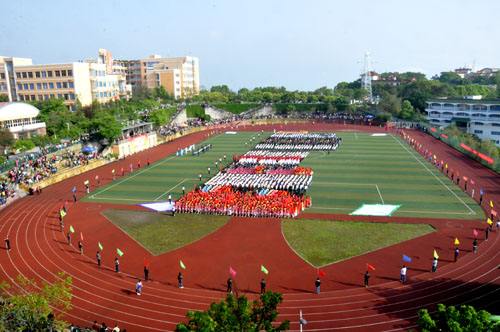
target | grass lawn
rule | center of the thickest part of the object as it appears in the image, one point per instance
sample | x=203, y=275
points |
x=322, y=242
x=160, y=233
x=236, y=108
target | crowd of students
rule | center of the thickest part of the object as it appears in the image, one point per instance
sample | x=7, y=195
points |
x=301, y=142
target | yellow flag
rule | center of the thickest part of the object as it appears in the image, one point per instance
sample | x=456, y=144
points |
x=489, y=221
x=456, y=241
x=436, y=256
x=446, y=166
x=491, y=204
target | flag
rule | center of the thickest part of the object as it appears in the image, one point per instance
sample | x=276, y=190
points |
x=86, y=182
x=472, y=182
x=481, y=191
x=491, y=204
x=182, y=265
x=321, y=273
x=456, y=241
x=475, y=233
x=73, y=190
x=232, y=272
x=436, y=256
x=489, y=221
x=370, y=267
x=119, y=252
x=100, y=245
x=81, y=236
x=63, y=214
x=71, y=229
x=406, y=259
x=263, y=269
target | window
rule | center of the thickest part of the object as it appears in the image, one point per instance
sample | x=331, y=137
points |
x=32, y=86
x=59, y=95
x=25, y=86
x=39, y=86
x=37, y=74
x=66, y=96
x=19, y=86
x=46, y=97
x=18, y=75
x=44, y=74
x=58, y=73
x=25, y=75
x=30, y=74
x=51, y=85
x=496, y=133
x=71, y=85
x=45, y=86
x=65, y=85
x=63, y=73
x=59, y=85
x=495, y=108
x=33, y=97
x=70, y=72
x=72, y=96
x=478, y=131
x=40, y=97
x=49, y=73
x=2, y=76
x=52, y=95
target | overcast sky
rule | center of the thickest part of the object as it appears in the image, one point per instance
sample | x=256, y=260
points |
x=296, y=44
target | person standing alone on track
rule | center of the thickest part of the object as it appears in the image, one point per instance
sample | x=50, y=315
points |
x=366, y=278
x=180, y=280
x=117, y=265
x=7, y=244
x=474, y=246
x=434, y=264
x=317, y=284
x=456, y=253
x=230, y=286
x=98, y=258
x=402, y=274
x=262, y=286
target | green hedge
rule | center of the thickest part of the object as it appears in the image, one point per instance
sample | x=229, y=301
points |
x=300, y=107
x=195, y=111
x=236, y=108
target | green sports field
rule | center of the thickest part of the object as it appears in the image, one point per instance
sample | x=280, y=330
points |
x=366, y=169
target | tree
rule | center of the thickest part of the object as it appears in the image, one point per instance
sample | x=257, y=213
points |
x=407, y=111
x=106, y=126
x=237, y=314
x=39, y=308
x=450, y=77
x=463, y=319
x=390, y=104
x=4, y=98
x=498, y=84
x=6, y=138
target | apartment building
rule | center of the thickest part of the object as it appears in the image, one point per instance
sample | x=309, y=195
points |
x=8, y=76
x=180, y=76
x=477, y=116
x=68, y=81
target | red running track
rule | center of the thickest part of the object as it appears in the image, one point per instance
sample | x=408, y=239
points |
x=40, y=251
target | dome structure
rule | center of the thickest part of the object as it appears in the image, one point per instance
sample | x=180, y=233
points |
x=16, y=111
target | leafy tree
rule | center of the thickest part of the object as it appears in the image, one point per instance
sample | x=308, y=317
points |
x=161, y=116
x=497, y=79
x=106, y=126
x=4, y=98
x=24, y=144
x=407, y=110
x=6, y=138
x=450, y=77
x=462, y=319
x=39, y=309
x=237, y=314
x=390, y=104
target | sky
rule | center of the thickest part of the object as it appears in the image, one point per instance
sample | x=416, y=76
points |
x=297, y=44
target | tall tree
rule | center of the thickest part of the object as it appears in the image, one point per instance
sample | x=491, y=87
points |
x=6, y=138
x=238, y=314
x=4, y=98
x=39, y=308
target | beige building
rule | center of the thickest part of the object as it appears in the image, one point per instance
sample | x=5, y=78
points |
x=180, y=76
x=8, y=76
x=68, y=81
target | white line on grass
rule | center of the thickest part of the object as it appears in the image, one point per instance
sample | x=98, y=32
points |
x=437, y=178
x=355, y=135
x=178, y=184
x=131, y=176
x=380, y=194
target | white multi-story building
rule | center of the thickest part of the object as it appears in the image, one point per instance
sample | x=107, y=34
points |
x=478, y=117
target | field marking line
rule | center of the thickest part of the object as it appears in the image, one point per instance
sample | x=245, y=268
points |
x=131, y=176
x=376, y=186
x=437, y=178
x=117, y=199
x=345, y=183
x=403, y=211
x=181, y=182
x=355, y=135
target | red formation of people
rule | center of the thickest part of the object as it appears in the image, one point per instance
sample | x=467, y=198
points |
x=226, y=200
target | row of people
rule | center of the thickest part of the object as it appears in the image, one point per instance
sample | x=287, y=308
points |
x=259, y=181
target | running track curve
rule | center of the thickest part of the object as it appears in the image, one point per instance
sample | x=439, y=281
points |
x=40, y=251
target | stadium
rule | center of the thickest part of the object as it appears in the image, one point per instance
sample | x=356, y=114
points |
x=288, y=201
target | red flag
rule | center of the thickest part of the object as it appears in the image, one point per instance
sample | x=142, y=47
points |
x=472, y=181
x=370, y=267
x=475, y=233
x=81, y=236
x=321, y=273
x=232, y=272
x=146, y=262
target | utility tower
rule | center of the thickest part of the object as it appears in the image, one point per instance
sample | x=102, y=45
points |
x=366, y=82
